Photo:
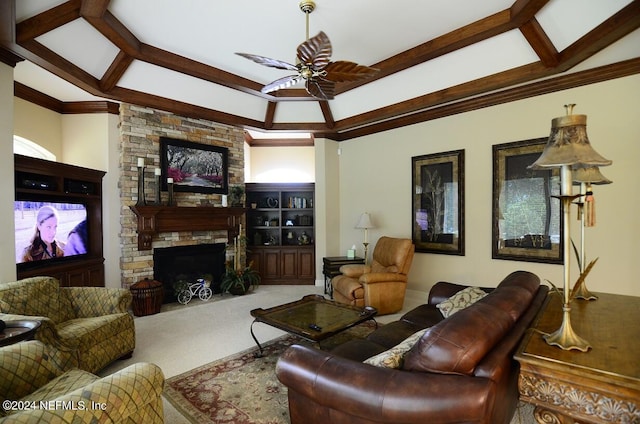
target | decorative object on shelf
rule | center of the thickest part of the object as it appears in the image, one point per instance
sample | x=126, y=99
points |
x=239, y=281
x=272, y=202
x=142, y=201
x=170, y=190
x=158, y=175
x=568, y=148
x=351, y=253
x=225, y=201
x=365, y=223
x=526, y=221
x=236, y=194
x=438, y=203
x=587, y=215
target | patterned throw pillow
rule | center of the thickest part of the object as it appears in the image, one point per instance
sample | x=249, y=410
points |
x=460, y=300
x=394, y=357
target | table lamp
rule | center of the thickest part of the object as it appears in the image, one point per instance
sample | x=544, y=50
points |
x=365, y=223
x=568, y=148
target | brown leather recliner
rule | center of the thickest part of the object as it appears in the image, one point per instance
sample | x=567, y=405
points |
x=382, y=284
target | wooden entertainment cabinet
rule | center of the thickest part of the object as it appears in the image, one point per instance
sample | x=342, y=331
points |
x=43, y=180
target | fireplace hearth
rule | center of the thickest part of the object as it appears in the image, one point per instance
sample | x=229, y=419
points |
x=188, y=263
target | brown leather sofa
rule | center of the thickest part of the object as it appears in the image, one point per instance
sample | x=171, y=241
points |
x=460, y=371
x=382, y=284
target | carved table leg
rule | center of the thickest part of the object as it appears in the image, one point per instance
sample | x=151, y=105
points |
x=546, y=416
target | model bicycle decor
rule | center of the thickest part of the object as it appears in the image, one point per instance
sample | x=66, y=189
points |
x=200, y=288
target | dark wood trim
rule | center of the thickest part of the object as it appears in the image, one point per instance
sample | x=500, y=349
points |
x=9, y=58
x=159, y=219
x=71, y=108
x=36, y=97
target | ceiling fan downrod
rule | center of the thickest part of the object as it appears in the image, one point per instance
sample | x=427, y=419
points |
x=307, y=6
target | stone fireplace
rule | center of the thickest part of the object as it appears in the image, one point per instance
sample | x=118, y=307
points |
x=188, y=263
x=140, y=132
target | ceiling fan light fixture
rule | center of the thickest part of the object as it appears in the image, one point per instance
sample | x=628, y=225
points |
x=313, y=65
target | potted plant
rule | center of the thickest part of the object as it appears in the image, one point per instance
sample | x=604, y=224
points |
x=239, y=281
x=236, y=193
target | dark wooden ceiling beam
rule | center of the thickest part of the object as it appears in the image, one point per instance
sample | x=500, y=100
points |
x=116, y=70
x=94, y=8
x=326, y=113
x=565, y=82
x=540, y=42
x=47, y=21
x=523, y=11
x=270, y=114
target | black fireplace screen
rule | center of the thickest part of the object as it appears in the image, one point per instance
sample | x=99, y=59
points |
x=188, y=263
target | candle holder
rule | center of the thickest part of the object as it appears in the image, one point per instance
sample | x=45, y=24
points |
x=170, y=189
x=142, y=201
x=158, y=201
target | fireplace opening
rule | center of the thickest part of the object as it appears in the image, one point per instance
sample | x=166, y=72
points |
x=188, y=263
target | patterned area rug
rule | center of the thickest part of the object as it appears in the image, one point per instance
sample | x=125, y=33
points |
x=243, y=389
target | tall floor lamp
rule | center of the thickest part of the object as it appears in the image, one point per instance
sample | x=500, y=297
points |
x=584, y=177
x=568, y=148
x=365, y=223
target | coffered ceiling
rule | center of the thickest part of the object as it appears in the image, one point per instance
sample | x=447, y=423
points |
x=435, y=58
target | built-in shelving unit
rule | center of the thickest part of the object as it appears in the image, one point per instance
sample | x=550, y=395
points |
x=280, y=232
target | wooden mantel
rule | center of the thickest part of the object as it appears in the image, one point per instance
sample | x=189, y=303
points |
x=161, y=219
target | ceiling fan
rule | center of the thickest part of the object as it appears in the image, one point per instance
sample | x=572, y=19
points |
x=313, y=65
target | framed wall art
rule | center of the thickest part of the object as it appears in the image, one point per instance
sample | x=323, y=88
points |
x=194, y=167
x=527, y=219
x=437, y=186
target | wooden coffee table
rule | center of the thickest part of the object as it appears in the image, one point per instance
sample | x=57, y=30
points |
x=313, y=318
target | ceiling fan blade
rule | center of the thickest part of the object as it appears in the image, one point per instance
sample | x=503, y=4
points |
x=281, y=83
x=320, y=88
x=266, y=61
x=316, y=51
x=343, y=70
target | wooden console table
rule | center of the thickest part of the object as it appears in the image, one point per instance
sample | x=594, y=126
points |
x=598, y=386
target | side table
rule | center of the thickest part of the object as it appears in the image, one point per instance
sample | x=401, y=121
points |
x=17, y=331
x=331, y=268
x=597, y=386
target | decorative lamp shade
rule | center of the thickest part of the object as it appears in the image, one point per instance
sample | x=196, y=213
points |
x=590, y=175
x=365, y=221
x=569, y=145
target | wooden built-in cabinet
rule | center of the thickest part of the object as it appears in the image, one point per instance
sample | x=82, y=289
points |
x=280, y=232
x=41, y=180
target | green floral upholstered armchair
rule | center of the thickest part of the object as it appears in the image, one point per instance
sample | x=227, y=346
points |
x=34, y=389
x=84, y=327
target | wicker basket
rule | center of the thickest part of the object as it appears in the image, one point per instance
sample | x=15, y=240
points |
x=147, y=297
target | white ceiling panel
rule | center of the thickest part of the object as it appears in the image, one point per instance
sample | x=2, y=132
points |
x=44, y=81
x=80, y=43
x=565, y=21
x=158, y=81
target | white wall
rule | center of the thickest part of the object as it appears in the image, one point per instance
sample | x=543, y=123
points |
x=281, y=164
x=7, y=232
x=38, y=124
x=371, y=179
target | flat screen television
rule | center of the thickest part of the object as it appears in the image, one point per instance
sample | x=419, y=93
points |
x=50, y=231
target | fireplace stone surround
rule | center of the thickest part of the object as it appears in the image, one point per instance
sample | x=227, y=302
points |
x=140, y=132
